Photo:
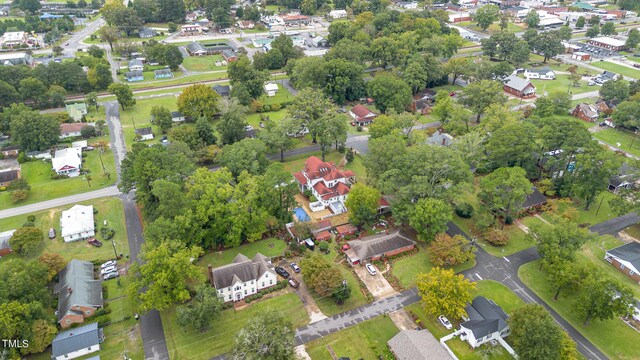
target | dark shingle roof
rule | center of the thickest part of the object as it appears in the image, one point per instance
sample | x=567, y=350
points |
x=379, y=244
x=222, y=90
x=131, y=74
x=628, y=252
x=517, y=83
x=77, y=287
x=10, y=175
x=75, y=339
x=534, y=199
x=176, y=114
x=195, y=46
x=161, y=72
x=417, y=345
x=241, y=269
x=485, y=317
x=144, y=131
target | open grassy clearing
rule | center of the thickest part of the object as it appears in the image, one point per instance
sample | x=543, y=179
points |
x=367, y=340
x=599, y=211
x=495, y=27
x=267, y=247
x=561, y=84
x=618, y=69
x=203, y=63
x=220, y=337
x=179, y=80
x=408, y=268
x=627, y=140
x=38, y=175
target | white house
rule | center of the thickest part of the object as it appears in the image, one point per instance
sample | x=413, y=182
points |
x=71, y=129
x=243, y=277
x=409, y=5
x=145, y=133
x=77, y=342
x=626, y=259
x=77, y=223
x=544, y=73
x=177, y=116
x=136, y=65
x=67, y=161
x=361, y=115
x=338, y=14
x=271, y=89
x=327, y=184
x=487, y=322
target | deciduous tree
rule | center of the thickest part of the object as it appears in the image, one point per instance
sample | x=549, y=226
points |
x=504, y=191
x=363, y=202
x=123, y=94
x=245, y=155
x=198, y=101
x=602, y=298
x=430, y=217
x=26, y=240
x=478, y=96
x=534, y=333
x=444, y=293
x=205, y=306
x=267, y=336
x=450, y=251
x=34, y=131
x=390, y=92
x=486, y=15
x=54, y=263
x=232, y=122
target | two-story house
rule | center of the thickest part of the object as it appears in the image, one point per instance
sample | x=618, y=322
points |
x=243, y=277
x=487, y=322
x=327, y=184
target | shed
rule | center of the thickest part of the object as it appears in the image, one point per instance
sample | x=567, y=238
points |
x=271, y=89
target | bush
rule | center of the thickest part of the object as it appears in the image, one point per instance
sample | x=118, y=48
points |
x=28, y=224
x=276, y=107
x=508, y=220
x=464, y=210
x=359, y=128
x=497, y=237
x=31, y=218
x=266, y=108
x=107, y=233
x=22, y=158
x=3, y=188
x=95, y=210
x=55, y=176
x=323, y=246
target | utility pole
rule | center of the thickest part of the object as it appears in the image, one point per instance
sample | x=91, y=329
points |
x=115, y=252
x=88, y=178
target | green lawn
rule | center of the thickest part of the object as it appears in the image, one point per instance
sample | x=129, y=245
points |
x=255, y=118
x=140, y=115
x=627, y=140
x=531, y=220
x=283, y=95
x=203, y=63
x=408, y=268
x=367, y=340
x=220, y=337
x=560, y=84
x=490, y=289
x=267, y=247
x=599, y=211
x=109, y=208
x=634, y=231
x=618, y=69
x=495, y=27
x=613, y=337
x=38, y=173
x=179, y=80
x=517, y=242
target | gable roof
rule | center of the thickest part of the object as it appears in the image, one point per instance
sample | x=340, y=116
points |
x=587, y=110
x=417, y=345
x=132, y=74
x=144, y=131
x=379, y=244
x=162, y=72
x=542, y=70
x=485, y=317
x=77, y=287
x=67, y=157
x=222, y=90
x=176, y=114
x=76, y=339
x=628, y=252
x=362, y=111
x=517, y=83
x=67, y=128
x=10, y=175
x=134, y=62
x=534, y=199
x=241, y=269
x=195, y=47
x=440, y=138
x=77, y=220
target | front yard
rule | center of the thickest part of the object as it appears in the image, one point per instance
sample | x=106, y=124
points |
x=268, y=247
x=408, y=268
x=38, y=175
x=628, y=141
x=220, y=337
x=561, y=84
x=367, y=340
x=109, y=208
x=203, y=63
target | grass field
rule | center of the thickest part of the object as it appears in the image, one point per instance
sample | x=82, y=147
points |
x=367, y=340
x=613, y=337
x=561, y=84
x=283, y=95
x=495, y=291
x=618, y=69
x=182, y=80
x=628, y=141
x=203, y=63
x=495, y=27
x=220, y=337
x=37, y=173
x=109, y=208
x=517, y=242
x=598, y=212
x=267, y=247
x=408, y=268
x=140, y=115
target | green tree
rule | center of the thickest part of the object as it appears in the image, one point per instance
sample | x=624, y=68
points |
x=627, y=114
x=279, y=192
x=593, y=169
x=172, y=57
x=32, y=90
x=479, y=95
x=549, y=44
x=205, y=131
x=415, y=73
x=308, y=109
x=162, y=117
x=123, y=94
x=344, y=80
x=232, y=122
x=42, y=335
x=565, y=275
x=456, y=67
x=445, y=250
x=95, y=51
x=8, y=94
x=534, y=333
x=504, y=191
x=609, y=28
x=26, y=241
x=430, y=217
x=172, y=27
x=198, y=101
x=580, y=22
x=109, y=34
x=363, y=202
x=171, y=10
x=615, y=90
x=91, y=99
x=486, y=15
x=100, y=76
x=34, y=131
x=162, y=278
x=205, y=306
x=54, y=263
x=602, y=298
x=559, y=241
x=513, y=144
x=593, y=31
x=277, y=135
x=442, y=292
x=532, y=19
x=245, y=155
x=320, y=275
x=242, y=72
x=32, y=6
x=633, y=38
x=390, y=92
x=267, y=336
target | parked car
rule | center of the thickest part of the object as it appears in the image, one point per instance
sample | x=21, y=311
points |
x=52, y=233
x=108, y=263
x=293, y=283
x=371, y=269
x=636, y=65
x=445, y=322
x=111, y=275
x=108, y=269
x=95, y=242
x=248, y=128
x=295, y=267
x=88, y=148
x=282, y=272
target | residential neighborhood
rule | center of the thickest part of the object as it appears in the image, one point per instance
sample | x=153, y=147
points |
x=320, y=180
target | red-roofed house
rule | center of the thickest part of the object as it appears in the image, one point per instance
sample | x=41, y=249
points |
x=71, y=129
x=323, y=235
x=346, y=230
x=383, y=206
x=328, y=184
x=361, y=115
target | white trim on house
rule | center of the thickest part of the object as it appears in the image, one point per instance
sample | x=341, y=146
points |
x=77, y=223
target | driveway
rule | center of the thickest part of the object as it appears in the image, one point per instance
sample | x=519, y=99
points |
x=315, y=314
x=377, y=284
x=402, y=320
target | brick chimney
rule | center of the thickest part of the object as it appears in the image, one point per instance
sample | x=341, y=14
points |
x=210, y=274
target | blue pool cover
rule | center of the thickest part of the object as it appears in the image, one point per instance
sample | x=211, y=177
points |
x=301, y=214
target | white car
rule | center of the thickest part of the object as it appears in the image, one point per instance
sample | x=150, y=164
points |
x=371, y=269
x=108, y=269
x=108, y=263
x=248, y=128
x=445, y=322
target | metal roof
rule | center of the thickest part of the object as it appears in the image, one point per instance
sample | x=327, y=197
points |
x=75, y=339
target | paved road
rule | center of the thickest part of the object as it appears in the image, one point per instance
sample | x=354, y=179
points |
x=75, y=42
x=72, y=199
x=616, y=225
x=118, y=145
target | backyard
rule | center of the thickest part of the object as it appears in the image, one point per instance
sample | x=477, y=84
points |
x=38, y=175
x=219, y=339
x=618, y=69
x=367, y=340
x=268, y=247
x=109, y=209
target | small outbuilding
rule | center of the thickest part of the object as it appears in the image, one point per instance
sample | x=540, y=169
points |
x=417, y=345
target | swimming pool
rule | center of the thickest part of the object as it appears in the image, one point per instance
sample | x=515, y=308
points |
x=260, y=42
x=301, y=214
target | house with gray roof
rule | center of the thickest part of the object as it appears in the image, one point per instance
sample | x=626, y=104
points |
x=375, y=247
x=222, y=90
x=243, y=277
x=196, y=49
x=417, y=345
x=135, y=65
x=440, y=138
x=77, y=342
x=487, y=322
x=626, y=259
x=535, y=199
x=519, y=87
x=79, y=294
x=544, y=73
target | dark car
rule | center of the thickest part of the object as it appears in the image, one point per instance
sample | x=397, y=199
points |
x=636, y=65
x=282, y=272
x=295, y=267
x=95, y=242
x=52, y=233
x=294, y=283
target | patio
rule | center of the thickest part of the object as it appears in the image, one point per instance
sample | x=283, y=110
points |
x=340, y=219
